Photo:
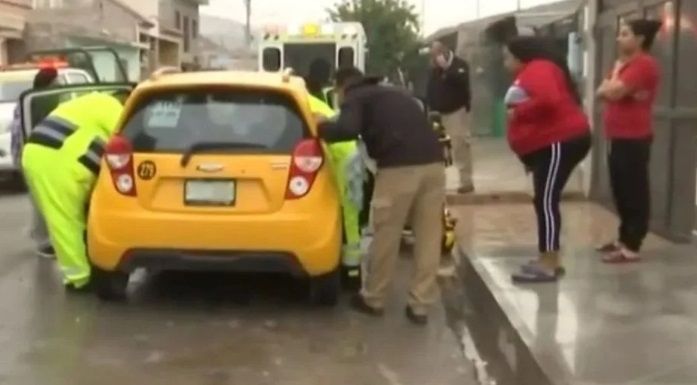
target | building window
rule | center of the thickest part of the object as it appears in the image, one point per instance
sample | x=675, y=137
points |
x=194, y=29
x=187, y=35
x=177, y=20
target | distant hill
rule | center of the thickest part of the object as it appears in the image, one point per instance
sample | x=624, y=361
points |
x=227, y=33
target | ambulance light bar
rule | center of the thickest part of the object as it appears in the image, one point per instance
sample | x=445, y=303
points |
x=309, y=30
x=44, y=63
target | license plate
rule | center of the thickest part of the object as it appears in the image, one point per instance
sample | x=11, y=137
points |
x=209, y=192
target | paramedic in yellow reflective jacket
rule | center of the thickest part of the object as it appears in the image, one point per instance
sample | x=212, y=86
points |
x=340, y=154
x=61, y=161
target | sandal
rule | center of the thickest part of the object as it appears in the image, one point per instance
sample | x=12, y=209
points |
x=609, y=247
x=534, y=273
x=620, y=257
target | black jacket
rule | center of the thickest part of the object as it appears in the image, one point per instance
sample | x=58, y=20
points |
x=393, y=126
x=449, y=90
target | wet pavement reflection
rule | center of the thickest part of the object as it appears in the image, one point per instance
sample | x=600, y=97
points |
x=205, y=329
x=601, y=324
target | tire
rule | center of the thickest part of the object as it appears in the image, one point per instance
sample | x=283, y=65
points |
x=17, y=182
x=325, y=289
x=110, y=286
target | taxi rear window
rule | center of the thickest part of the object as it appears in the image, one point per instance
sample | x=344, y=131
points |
x=174, y=121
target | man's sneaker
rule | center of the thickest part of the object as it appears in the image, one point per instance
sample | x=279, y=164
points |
x=46, y=252
x=465, y=190
x=358, y=304
x=86, y=289
x=416, y=319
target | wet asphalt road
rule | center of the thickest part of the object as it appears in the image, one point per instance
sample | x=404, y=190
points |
x=206, y=329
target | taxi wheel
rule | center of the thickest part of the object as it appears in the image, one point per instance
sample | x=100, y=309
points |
x=17, y=182
x=110, y=285
x=325, y=289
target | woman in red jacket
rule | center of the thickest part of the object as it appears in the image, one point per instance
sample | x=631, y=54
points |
x=550, y=133
x=629, y=94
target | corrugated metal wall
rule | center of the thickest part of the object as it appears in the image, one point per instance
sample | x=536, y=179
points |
x=673, y=160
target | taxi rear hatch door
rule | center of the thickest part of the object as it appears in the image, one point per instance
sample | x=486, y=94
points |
x=214, y=150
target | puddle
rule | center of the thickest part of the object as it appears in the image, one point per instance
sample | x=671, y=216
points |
x=455, y=304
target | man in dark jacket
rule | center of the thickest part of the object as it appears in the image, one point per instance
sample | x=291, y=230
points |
x=449, y=94
x=410, y=179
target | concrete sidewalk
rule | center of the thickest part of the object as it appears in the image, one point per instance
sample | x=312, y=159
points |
x=600, y=325
x=499, y=176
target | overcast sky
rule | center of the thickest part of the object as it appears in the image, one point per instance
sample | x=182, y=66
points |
x=438, y=13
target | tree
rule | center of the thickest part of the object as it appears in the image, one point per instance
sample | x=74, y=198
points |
x=392, y=28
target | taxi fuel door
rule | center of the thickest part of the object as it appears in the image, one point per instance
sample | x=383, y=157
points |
x=36, y=105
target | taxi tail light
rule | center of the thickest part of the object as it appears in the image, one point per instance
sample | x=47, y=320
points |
x=119, y=158
x=307, y=160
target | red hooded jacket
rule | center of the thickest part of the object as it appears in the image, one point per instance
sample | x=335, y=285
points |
x=548, y=113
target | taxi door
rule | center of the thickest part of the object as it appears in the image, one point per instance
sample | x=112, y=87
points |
x=36, y=105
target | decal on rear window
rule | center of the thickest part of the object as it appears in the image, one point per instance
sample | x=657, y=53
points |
x=164, y=114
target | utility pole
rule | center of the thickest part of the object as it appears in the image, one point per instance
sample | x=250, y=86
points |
x=248, y=26
x=519, y=5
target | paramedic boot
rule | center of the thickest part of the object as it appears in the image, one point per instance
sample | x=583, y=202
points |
x=351, y=278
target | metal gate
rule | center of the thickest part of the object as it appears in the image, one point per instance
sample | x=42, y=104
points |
x=673, y=161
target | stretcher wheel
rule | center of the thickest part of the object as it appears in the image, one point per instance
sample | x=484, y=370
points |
x=325, y=289
x=351, y=280
x=110, y=285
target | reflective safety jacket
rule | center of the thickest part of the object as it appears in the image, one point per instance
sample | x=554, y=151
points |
x=79, y=128
x=341, y=155
x=329, y=99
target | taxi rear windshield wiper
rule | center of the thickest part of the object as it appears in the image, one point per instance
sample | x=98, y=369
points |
x=212, y=146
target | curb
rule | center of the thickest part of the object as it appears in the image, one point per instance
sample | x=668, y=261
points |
x=505, y=198
x=495, y=334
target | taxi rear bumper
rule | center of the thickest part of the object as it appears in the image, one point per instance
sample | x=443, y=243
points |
x=207, y=260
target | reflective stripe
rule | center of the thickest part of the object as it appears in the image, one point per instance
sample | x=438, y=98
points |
x=52, y=132
x=93, y=157
x=351, y=255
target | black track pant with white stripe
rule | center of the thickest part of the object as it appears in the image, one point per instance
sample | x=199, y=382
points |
x=551, y=168
x=629, y=176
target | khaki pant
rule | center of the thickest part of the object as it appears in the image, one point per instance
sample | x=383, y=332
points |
x=418, y=193
x=457, y=127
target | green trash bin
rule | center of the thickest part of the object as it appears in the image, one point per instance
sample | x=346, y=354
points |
x=499, y=119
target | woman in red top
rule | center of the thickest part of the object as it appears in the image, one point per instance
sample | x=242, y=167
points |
x=550, y=133
x=629, y=94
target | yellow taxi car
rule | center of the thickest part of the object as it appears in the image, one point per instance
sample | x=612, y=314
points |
x=216, y=171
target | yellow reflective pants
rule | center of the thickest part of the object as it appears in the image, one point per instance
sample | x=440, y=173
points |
x=61, y=188
x=340, y=155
